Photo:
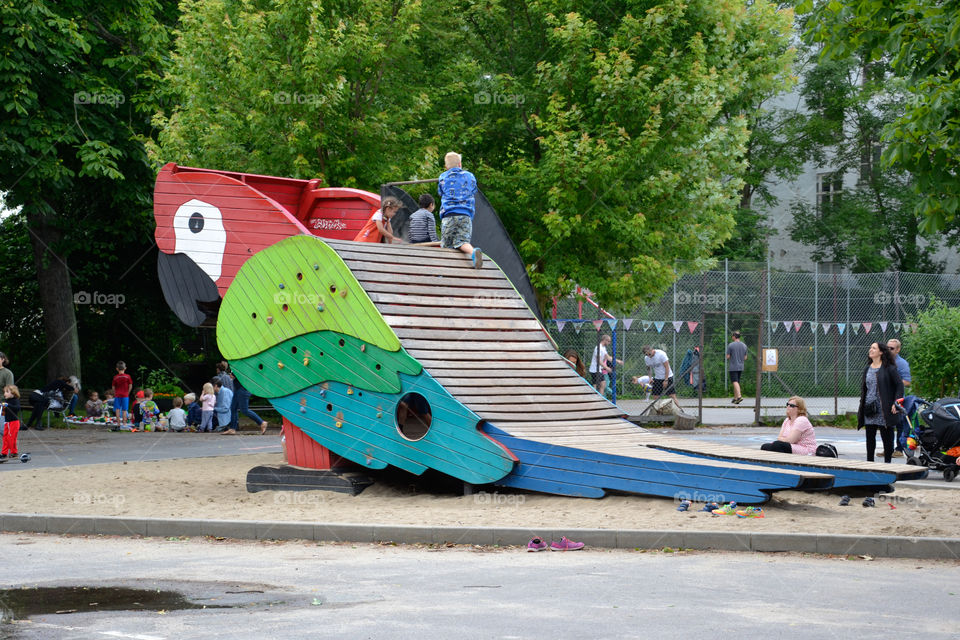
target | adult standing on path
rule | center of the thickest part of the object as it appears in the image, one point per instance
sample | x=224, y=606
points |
x=903, y=368
x=878, y=399
x=736, y=356
x=658, y=366
x=598, y=364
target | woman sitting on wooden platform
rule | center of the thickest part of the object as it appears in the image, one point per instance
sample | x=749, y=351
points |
x=796, y=433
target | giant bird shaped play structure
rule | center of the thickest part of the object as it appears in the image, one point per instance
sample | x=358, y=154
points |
x=406, y=356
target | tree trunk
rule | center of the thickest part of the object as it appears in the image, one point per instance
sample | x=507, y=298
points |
x=56, y=297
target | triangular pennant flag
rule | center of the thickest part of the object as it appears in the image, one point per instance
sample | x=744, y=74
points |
x=692, y=326
x=826, y=327
x=659, y=326
x=676, y=325
x=883, y=327
x=797, y=324
x=647, y=324
x=914, y=326
x=560, y=325
x=577, y=325
x=841, y=326
x=855, y=327
x=773, y=327
x=867, y=326
x=787, y=325
x=598, y=324
x=898, y=326
x=626, y=323
x=613, y=323
x=813, y=327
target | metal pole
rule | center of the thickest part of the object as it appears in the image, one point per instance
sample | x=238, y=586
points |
x=397, y=184
x=816, y=311
x=767, y=274
x=703, y=373
x=726, y=318
x=836, y=364
x=759, y=359
x=846, y=334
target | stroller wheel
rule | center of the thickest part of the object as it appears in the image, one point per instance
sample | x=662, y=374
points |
x=950, y=473
x=912, y=462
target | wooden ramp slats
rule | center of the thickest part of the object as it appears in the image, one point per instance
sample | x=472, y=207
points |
x=450, y=302
x=431, y=269
x=424, y=312
x=505, y=326
x=435, y=290
x=544, y=393
x=483, y=350
x=463, y=282
x=502, y=418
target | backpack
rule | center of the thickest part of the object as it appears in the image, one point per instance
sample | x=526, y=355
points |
x=827, y=451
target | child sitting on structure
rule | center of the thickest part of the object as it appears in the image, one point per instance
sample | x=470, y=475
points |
x=108, y=403
x=11, y=428
x=177, y=418
x=377, y=228
x=94, y=405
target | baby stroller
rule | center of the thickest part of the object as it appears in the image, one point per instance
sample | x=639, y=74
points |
x=933, y=437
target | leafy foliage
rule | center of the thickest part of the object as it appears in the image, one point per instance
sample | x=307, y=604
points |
x=611, y=139
x=934, y=350
x=873, y=224
x=920, y=39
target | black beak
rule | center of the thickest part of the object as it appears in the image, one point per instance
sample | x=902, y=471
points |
x=189, y=291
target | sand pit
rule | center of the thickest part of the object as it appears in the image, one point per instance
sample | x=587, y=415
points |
x=215, y=488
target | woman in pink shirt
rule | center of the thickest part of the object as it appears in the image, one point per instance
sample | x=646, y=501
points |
x=796, y=433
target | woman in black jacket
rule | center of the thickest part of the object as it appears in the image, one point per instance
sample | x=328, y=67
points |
x=881, y=388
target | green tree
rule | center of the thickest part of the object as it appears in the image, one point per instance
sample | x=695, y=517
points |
x=920, y=39
x=934, y=350
x=873, y=224
x=610, y=139
x=73, y=79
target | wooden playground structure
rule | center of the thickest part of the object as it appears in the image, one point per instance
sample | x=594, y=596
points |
x=406, y=356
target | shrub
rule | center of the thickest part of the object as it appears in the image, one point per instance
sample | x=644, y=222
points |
x=934, y=351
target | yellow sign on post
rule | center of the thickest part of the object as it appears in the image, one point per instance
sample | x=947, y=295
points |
x=770, y=360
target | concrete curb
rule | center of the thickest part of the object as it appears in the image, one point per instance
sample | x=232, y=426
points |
x=876, y=546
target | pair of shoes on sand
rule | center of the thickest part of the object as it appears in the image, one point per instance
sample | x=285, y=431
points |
x=565, y=544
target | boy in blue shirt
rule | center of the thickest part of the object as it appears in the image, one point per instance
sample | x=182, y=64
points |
x=457, y=189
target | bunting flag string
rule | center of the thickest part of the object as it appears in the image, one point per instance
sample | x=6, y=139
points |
x=692, y=326
x=612, y=323
x=867, y=326
x=560, y=325
x=577, y=325
x=598, y=324
x=647, y=324
x=898, y=326
x=773, y=327
x=883, y=327
x=826, y=327
x=813, y=327
x=913, y=327
x=797, y=324
x=855, y=328
x=659, y=326
x=676, y=325
x=841, y=326
x=787, y=324
x=626, y=323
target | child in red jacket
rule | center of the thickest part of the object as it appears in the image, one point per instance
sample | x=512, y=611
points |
x=11, y=413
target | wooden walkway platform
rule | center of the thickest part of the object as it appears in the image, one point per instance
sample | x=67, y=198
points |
x=474, y=335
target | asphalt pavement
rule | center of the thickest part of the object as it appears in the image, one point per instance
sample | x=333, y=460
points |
x=306, y=590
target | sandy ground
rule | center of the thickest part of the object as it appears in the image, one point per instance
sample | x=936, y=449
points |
x=215, y=488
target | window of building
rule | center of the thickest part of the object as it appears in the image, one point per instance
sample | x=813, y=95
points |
x=869, y=161
x=829, y=188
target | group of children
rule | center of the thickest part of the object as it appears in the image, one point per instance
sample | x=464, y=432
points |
x=143, y=414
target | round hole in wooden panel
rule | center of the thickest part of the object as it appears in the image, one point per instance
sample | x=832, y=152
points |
x=329, y=407
x=293, y=349
x=299, y=276
x=286, y=308
x=414, y=416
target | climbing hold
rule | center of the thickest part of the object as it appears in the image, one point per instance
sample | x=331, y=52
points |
x=316, y=267
x=339, y=424
x=281, y=285
x=363, y=348
x=349, y=392
x=319, y=307
x=343, y=292
x=306, y=362
x=269, y=319
x=323, y=393
x=279, y=365
x=303, y=409
x=379, y=414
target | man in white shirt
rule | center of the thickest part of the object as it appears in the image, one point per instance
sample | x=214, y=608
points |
x=658, y=366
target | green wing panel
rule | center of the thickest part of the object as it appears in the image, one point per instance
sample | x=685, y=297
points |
x=303, y=361
x=297, y=286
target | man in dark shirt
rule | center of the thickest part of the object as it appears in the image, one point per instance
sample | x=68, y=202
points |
x=736, y=355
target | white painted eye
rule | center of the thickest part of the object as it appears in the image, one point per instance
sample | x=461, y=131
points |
x=200, y=234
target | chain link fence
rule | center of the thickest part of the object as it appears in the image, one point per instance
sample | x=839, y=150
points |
x=821, y=325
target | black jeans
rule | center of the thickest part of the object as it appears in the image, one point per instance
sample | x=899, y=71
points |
x=886, y=434
x=39, y=402
x=778, y=445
